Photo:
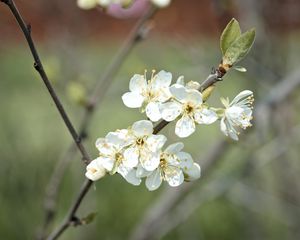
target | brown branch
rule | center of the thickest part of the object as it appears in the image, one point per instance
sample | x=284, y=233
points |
x=26, y=29
x=71, y=219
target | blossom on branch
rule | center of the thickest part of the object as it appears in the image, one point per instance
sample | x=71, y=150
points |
x=238, y=113
x=136, y=153
x=144, y=145
x=187, y=103
x=111, y=151
x=174, y=167
x=95, y=170
x=149, y=94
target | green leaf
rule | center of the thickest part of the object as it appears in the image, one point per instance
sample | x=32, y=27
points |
x=240, y=69
x=231, y=32
x=239, y=48
x=89, y=218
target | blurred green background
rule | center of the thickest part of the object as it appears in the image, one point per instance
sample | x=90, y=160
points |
x=252, y=192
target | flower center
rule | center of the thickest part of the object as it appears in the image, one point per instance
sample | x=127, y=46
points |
x=163, y=163
x=140, y=141
x=188, y=108
x=119, y=158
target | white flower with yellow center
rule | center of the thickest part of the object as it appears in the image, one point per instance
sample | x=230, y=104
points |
x=174, y=167
x=111, y=151
x=188, y=103
x=151, y=93
x=95, y=170
x=238, y=113
x=144, y=146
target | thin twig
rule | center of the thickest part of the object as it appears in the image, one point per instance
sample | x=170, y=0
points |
x=136, y=35
x=26, y=29
x=71, y=218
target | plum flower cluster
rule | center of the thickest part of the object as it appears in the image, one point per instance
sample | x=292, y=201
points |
x=137, y=153
x=181, y=102
x=89, y=4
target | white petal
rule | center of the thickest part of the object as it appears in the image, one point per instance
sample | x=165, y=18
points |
x=241, y=95
x=141, y=172
x=108, y=163
x=234, y=112
x=228, y=130
x=186, y=160
x=95, y=170
x=179, y=92
x=129, y=175
x=104, y=3
x=223, y=126
x=205, y=116
x=185, y=126
x=131, y=157
x=132, y=99
x=115, y=139
x=100, y=142
x=153, y=112
x=193, y=85
x=161, y=3
x=154, y=180
x=180, y=80
x=150, y=161
x=174, y=176
x=171, y=110
x=174, y=148
x=163, y=94
x=103, y=147
x=155, y=142
x=194, y=97
x=162, y=79
x=193, y=173
x=142, y=128
x=137, y=83
x=87, y=4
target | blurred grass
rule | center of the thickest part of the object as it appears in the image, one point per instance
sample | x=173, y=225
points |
x=32, y=138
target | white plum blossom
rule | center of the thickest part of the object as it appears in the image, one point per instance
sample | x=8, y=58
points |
x=188, y=103
x=151, y=93
x=111, y=151
x=95, y=170
x=174, y=167
x=238, y=113
x=136, y=152
x=145, y=147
